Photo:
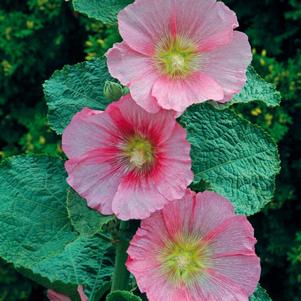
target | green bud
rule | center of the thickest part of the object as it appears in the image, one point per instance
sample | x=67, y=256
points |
x=113, y=91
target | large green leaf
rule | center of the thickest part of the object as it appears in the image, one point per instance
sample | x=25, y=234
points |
x=36, y=234
x=73, y=88
x=257, y=89
x=103, y=10
x=84, y=219
x=260, y=295
x=236, y=158
x=122, y=296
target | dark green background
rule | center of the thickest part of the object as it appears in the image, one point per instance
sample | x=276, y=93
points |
x=39, y=36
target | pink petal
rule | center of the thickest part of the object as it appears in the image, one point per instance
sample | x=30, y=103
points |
x=82, y=294
x=178, y=94
x=173, y=171
x=143, y=23
x=136, y=198
x=241, y=270
x=235, y=236
x=136, y=71
x=228, y=64
x=96, y=179
x=208, y=23
x=214, y=287
x=158, y=127
x=54, y=296
x=87, y=131
x=210, y=210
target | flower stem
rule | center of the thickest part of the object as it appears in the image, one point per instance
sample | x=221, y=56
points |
x=121, y=274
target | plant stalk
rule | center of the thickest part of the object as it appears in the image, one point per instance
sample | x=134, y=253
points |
x=121, y=275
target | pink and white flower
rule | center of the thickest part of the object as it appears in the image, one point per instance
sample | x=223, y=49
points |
x=179, y=52
x=127, y=161
x=55, y=296
x=195, y=249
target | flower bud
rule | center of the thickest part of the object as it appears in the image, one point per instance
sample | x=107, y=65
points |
x=113, y=91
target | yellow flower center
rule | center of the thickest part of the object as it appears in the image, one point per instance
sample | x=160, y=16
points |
x=139, y=151
x=184, y=259
x=176, y=57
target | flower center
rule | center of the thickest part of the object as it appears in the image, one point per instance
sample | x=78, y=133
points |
x=176, y=57
x=139, y=151
x=184, y=259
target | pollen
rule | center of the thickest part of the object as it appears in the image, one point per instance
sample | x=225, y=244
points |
x=177, y=57
x=184, y=259
x=139, y=151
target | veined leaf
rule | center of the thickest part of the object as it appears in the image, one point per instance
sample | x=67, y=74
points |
x=236, y=158
x=36, y=234
x=103, y=10
x=73, y=88
x=85, y=220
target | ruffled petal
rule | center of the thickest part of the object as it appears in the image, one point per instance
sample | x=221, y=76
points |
x=137, y=197
x=228, y=64
x=127, y=114
x=173, y=172
x=88, y=130
x=208, y=23
x=178, y=94
x=96, y=178
x=135, y=71
x=143, y=23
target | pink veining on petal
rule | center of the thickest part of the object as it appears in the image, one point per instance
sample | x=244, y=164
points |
x=230, y=269
x=125, y=160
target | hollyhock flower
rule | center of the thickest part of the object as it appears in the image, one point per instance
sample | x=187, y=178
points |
x=127, y=161
x=179, y=52
x=54, y=296
x=195, y=249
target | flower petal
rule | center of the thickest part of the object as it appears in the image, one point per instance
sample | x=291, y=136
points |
x=143, y=23
x=87, y=131
x=178, y=94
x=136, y=198
x=96, y=178
x=173, y=172
x=136, y=71
x=228, y=64
x=158, y=127
x=54, y=296
x=208, y=23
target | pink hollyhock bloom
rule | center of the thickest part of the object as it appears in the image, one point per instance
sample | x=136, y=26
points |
x=179, y=52
x=127, y=161
x=195, y=249
x=54, y=296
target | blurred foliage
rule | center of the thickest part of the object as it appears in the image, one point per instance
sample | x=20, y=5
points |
x=40, y=36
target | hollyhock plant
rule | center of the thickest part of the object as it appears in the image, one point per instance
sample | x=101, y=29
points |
x=55, y=296
x=125, y=160
x=195, y=249
x=179, y=52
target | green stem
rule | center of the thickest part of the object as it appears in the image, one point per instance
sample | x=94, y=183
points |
x=121, y=274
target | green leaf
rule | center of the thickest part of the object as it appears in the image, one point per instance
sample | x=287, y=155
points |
x=236, y=158
x=260, y=295
x=103, y=10
x=36, y=234
x=85, y=220
x=255, y=89
x=73, y=88
x=122, y=296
